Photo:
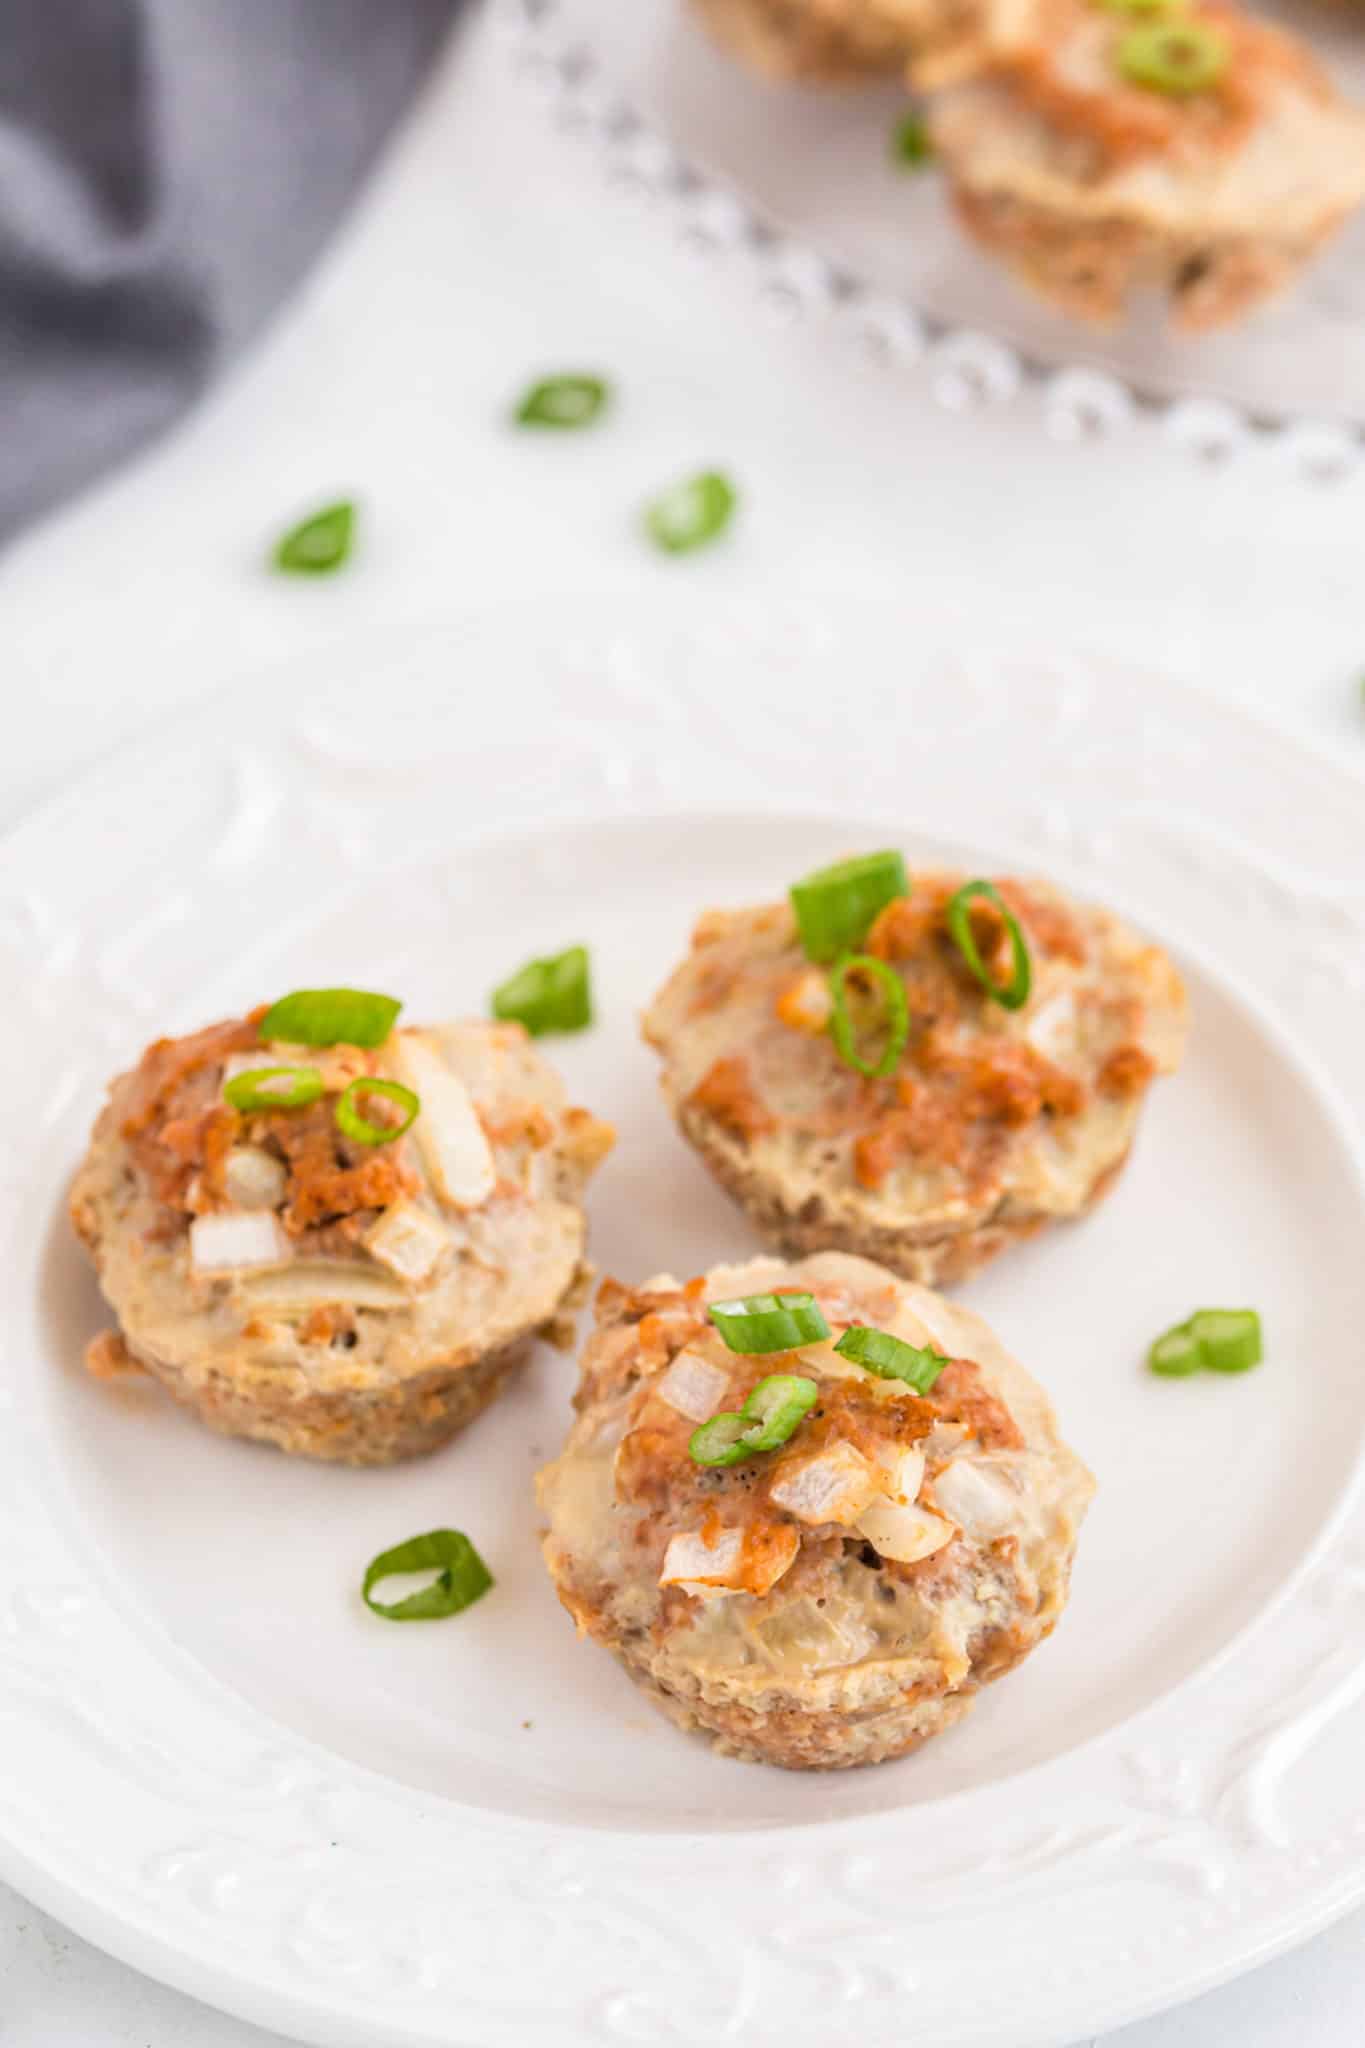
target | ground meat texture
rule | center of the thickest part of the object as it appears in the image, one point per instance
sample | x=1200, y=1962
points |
x=995, y=1121
x=820, y=1650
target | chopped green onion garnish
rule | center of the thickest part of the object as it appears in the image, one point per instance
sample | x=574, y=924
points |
x=1176, y=1355
x=835, y=906
x=273, y=1088
x=769, y=1322
x=768, y=1418
x=691, y=513
x=911, y=146
x=894, y=1005
x=1229, y=1339
x=568, y=401
x=358, y=1127
x=554, y=994
x=775, y=1407
x=462, y=1576
x=891, y=1358
x=720, y=1441
x=317, y=546
x=330, y=1016
x=1014, y=993
x=1218, y=1339
x=1175, y=57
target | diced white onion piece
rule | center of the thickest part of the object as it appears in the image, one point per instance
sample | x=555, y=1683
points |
x=691, y=1560
x=904, y=1471
x=833, y=1485
x=904, y=1534
x=976, y=1497
x=943, y=1439
x=407, y=1239
x=235, y=1240
x=326, y=1283
x=693, y=1386
x=450, y=1139
x=254, y=1179
x=1052, y=1029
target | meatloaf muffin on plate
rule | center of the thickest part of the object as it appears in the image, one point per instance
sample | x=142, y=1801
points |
x=1096, y=150
x=332, y=1235
x=815, y=1555
x=923, y=1072
x=828, y=40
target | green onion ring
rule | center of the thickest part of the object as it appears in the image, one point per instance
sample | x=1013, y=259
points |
x=772, y=1414
x=911, y=144
x=330, y=1016
x=897, y=1014
x=566, y=402
x=1176, y=1355
x=359, y=1128
x=1216, y=1339
x=756, y=1323
x=463, y=1576
x=719, y=1442
x=689, y=514
x=318, y=545
x=891, y=1358
x=554, y=994
x=252, y=1090
x=1176, y=57
x=1014, y=993
x=835, y=906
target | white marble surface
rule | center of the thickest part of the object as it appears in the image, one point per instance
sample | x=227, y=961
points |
x=490, y=249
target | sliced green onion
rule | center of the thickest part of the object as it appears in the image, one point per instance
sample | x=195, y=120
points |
x=1216, y=1339
x=273, y=1088
x=1013, y=994
x=911, y=146
x=835, y=906
x=891, y=1358
x=768, y=1418
x=1176, y=1355
x=1177, y=57
x=719, y=1441
x=358, y=1127
x=775, y=1407
x=320, y=544
x=330, y=1016
x=691, y=513
x=897, y=1014
x=462, y=1577
x=568, y=401
x=769, y=1322
x=554, y=994
x=1229, y=1339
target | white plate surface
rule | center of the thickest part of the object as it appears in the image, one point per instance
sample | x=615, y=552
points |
x=224, y=1769
x=833, y=222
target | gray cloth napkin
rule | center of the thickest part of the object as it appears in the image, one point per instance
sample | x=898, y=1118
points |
x=167, y=170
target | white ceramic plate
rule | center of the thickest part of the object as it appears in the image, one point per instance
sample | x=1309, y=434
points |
x=800, y=180
x=221, y=1767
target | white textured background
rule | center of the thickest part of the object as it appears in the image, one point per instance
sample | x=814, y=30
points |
x=489, y=249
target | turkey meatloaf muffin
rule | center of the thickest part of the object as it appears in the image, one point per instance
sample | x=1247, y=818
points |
x=991, y=1122
x=292, y=1274
x=1194, y=150
x=826, y=40
x=840, y=1598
